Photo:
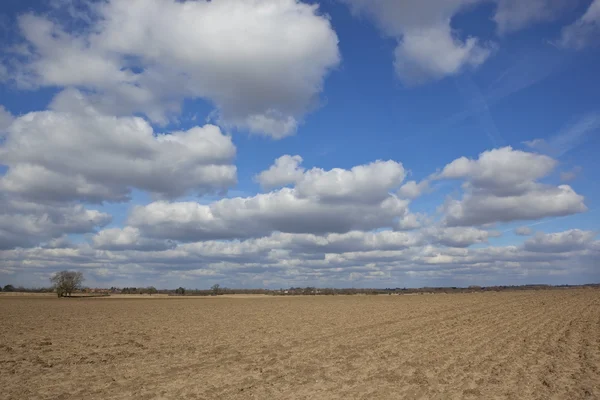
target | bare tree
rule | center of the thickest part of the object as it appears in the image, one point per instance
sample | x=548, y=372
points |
x=65, y=282
x=9, y=288
x=216, y=288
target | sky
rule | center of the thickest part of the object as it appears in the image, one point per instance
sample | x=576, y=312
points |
x=278, y=143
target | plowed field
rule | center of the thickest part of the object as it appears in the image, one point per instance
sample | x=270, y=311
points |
x=520, y=345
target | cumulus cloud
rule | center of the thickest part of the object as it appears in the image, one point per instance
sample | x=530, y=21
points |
x=26, y=224
x=261, y=63
x=459, y=236
x=477, y=208
x=284, y=259
x=584, y=32
x=369, y=183
x=431, y=54
x=362, y=183
x=128, y=238
x=501, y=171
x=61, y=242
x=321, y=201
x=308, y=244
x=60, y=156
x=412, y=189
x=283, y=210
x=560, y=242
x=428, y=49
x=410, y=221
x=285, y=171
x=501, y=187
x=6, y=118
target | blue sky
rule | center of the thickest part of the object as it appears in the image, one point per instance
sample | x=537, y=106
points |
x=282, y=143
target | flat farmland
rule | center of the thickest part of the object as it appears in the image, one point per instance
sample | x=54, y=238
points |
x=514, y=345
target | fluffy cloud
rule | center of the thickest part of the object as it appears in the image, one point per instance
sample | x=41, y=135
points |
x=61, y=242
x=6, y=118
x=59, y=156
x=25, y=224
x=285, y=259
x=477, y=208
x=501, y=187
x=411, y=221
x=261, y=63
x=368, y=183
x=285, y=171
x=363, y=183
x=427, y=48
x=459, y=236
x=331, y=226
x=321, y=201
x=434, y=53
x=502, y=171
x=560, y=242
x=128, y=238
x=306, y=245
x=412, y=189
x=583, y=32
x=283, y=210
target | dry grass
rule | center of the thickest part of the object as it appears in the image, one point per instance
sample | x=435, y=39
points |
x=526, y=345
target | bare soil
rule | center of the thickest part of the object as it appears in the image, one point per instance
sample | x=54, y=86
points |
x=521, y=345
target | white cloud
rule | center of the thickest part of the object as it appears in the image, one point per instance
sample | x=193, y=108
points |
x=363, y=183
x=459, y=236
x=412, y=189
x=584, y=32
x=369, y=183
x=501, y=187
x=6, y=118
x=434, y=53
x=58, y=156
x=561, y=242
x=477, y=208
x=61, y=242
x=523, y=231
x=306, y=244
x=25, y=224
x=512, y=15
x=261, y=63
x=410, y=221
x=128, y=238
x=501, y=171
x=285, y=171
x=285, y=259
x=427, y=48
x=283, y=210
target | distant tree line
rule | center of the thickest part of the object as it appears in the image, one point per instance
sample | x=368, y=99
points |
x=12, y=288
x=65, y=283
x=135, y=290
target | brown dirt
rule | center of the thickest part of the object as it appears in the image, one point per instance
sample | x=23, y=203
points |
x=525, y=345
